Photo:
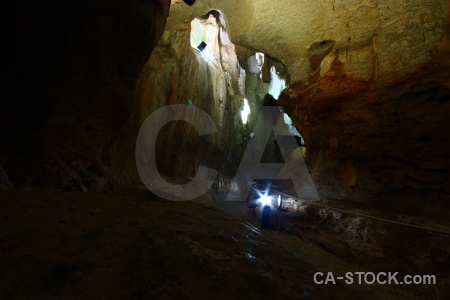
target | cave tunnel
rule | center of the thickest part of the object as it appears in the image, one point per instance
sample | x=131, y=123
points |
x=160, y=149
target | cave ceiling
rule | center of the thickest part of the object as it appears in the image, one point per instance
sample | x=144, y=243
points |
x=384, y=40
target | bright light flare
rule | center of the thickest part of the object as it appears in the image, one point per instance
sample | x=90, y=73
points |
x=264, y=199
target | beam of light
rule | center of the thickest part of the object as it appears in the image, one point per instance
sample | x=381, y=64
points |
x=245, y=111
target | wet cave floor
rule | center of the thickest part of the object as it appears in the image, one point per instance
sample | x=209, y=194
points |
x=129, y=244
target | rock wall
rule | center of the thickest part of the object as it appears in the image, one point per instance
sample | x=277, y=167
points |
x=176, y=73
x=368, y=88
x=403, y=34
x=372, y=132
x=67, y=119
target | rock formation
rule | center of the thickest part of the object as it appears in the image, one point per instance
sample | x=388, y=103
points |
x=211, y=80
x=67, y=116
x=373, y=113
x=367, y=88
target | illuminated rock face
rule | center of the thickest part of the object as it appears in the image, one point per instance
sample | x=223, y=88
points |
x=211, y=80
x=387, y=39
x=368, y=87
x=370, y=143
x=374, y=116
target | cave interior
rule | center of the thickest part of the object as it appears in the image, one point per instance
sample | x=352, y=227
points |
x=224, y=149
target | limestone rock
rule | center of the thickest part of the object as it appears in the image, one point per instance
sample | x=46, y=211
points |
x=369, y=143
x=411, y=30
x=79, y=90
x=360, y=73
x=211, y=80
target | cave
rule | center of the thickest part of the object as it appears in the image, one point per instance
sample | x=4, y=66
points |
x=158, y=149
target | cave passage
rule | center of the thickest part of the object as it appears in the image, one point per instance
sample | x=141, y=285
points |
x=205, y=149
x=209, y=38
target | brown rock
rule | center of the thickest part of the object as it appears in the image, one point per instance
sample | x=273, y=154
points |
x=394, y=58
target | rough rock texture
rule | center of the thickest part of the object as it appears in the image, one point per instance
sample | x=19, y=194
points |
x=212, y=80
x=404, y=32
x=367, y=91
x=176, y=73
x=368, y=87
x=67, y=116
x=375, y=137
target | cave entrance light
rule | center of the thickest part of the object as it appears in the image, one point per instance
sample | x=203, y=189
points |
x=260, y=60
x=292, y=130
x=277, y=84
x=245, y=111
x=205, y=33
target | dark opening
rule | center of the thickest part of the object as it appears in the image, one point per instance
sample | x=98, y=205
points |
x=202, y=46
